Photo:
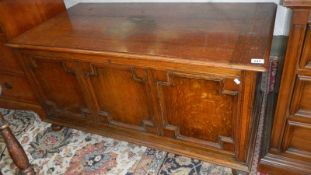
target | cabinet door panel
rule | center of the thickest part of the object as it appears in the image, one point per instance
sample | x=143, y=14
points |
x=305, y=61
x=298, y=127
x=59, y=88
x=301, y=101
x=200, y=109
x=297, y=140
x=122, y=96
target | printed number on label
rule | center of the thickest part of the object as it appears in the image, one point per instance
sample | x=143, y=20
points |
x=257, y=61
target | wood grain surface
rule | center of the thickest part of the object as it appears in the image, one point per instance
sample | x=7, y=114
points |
x=228, y=34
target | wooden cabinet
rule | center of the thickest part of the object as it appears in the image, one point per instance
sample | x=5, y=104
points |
x=15, y=18
x=290, y=145
x=140, y=73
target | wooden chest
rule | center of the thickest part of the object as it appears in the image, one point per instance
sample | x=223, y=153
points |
x=179, y=77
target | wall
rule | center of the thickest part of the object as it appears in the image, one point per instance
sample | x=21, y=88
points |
x=281, y=22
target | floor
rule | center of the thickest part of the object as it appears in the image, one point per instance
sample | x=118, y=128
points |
x=73, y=152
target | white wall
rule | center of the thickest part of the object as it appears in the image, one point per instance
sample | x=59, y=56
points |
x=281, y=22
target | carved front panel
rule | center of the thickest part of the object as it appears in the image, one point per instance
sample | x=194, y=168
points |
x=122, y=95
x=200, y=109
x=59, y=88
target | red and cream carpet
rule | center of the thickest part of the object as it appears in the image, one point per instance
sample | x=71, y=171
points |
x=73, y=152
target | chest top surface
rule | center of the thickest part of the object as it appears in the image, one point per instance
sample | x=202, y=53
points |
x=228, y=34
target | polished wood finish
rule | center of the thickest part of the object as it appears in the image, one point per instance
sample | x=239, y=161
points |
x=290, y=145
x=169, y=76
x=297, y=3
x=15, y=150
x=156, y=31
x=16, y=17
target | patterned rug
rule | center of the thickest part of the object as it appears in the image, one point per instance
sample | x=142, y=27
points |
x=73, y=152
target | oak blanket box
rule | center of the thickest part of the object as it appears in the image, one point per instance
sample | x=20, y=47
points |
x=182, y=77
